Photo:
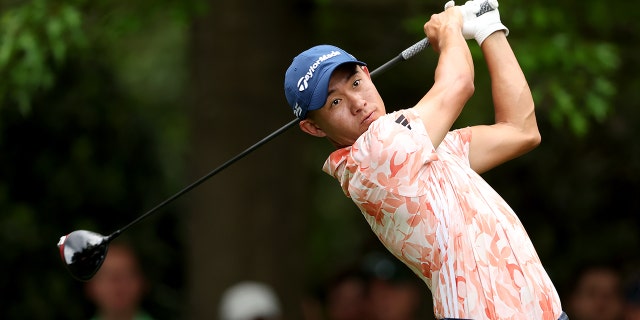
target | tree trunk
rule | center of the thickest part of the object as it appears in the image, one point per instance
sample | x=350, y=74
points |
x=247, y=222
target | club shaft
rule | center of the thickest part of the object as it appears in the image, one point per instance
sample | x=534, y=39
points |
x=205, y=177
x=406, y=54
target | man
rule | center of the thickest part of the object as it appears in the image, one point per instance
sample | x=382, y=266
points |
x=393, y=292
x=596, y=293
x=417, y=183
x=119, y=286
x=345, y=295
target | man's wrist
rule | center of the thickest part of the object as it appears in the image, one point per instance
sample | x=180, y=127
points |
x=452, y=29
x=490, y=29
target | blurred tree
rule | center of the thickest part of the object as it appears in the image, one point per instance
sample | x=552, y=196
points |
x=86, y=145
x=248, y=223
x=36, y=38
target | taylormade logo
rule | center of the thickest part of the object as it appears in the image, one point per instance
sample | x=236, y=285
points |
x=297, y=111
x=303, y=83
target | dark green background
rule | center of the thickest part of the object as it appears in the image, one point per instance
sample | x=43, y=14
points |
x=108, y=107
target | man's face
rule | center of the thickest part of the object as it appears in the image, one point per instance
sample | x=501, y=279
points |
x=118, y=286
x=353, y=103
x=597, y=296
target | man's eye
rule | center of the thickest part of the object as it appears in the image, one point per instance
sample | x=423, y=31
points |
x=356, y=83
x=335, y=102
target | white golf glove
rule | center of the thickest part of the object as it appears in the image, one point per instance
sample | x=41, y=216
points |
x=479, y=27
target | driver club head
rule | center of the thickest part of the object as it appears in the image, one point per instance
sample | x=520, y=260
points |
x=83, y=252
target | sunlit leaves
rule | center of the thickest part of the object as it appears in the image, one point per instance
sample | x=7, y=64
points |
x=34, y=39
x=572, y=79
x=570, y=68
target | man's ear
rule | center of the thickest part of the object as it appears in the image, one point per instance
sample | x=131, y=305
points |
x=366, y=70
x=311, y=128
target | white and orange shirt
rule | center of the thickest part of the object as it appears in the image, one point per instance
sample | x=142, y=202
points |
x=437, y=215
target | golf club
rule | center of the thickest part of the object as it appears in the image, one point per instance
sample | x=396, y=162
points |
x=83, y=251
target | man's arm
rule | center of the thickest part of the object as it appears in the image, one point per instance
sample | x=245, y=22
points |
x=453, y=85
x=515, y=131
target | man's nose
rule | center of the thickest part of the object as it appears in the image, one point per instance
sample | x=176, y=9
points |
x=358, y=103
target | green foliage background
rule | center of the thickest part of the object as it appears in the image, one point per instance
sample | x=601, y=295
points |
x=93, y=133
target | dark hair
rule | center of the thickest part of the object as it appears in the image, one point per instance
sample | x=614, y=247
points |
x=587, y=268
x=351, y=273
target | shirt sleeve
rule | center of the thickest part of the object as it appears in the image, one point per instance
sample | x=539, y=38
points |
x=457, y=143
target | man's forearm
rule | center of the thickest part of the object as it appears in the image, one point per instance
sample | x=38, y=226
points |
x=512, y=97
x=452, y=88
x=455, y=59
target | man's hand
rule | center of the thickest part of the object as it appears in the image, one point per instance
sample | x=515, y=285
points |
x=479, y=20
x=448, y=21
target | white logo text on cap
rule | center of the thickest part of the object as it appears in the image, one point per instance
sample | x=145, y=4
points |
x=303, y=83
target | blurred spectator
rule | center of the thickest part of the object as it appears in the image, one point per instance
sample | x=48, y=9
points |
x=596, y=294
x=346, y=295
x=632, y=298
x=249, y=300
x=118, y=287
x=393, y=290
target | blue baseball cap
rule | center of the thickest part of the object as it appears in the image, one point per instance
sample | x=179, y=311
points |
x=306, y=82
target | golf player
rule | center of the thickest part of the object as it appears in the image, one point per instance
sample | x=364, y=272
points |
x=416, y=180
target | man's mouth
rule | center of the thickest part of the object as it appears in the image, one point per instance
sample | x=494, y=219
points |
x=368, y=118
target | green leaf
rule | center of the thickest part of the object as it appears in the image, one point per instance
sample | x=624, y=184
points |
x=579, y=124
x=607, y=55
x=604, y=86
x=597, y=106
x=54, y=30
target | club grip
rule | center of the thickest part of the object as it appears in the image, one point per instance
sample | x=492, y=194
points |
x=414, y=49
x=487, y=6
